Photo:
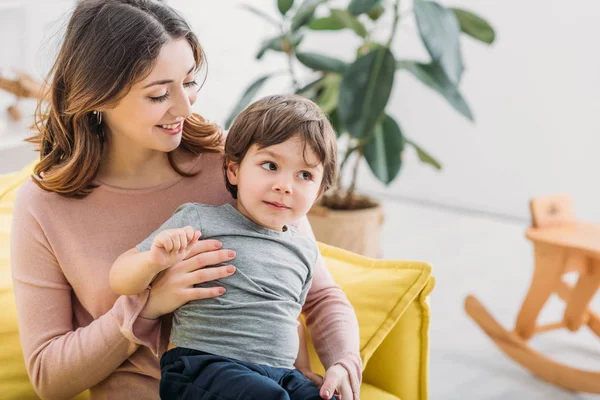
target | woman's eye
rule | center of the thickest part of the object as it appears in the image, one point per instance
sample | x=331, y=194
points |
x=190, y=84
x=269, y=166
x=307, y=176
x=160, y=99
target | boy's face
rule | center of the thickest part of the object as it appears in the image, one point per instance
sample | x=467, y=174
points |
x=277, y=184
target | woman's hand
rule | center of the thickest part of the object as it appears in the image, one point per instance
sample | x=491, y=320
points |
x=336, y=382
x=174, y=286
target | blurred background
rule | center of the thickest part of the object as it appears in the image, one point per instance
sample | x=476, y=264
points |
x=532, y=93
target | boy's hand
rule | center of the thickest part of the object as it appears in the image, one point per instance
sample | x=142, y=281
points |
x=172, y=246
x=311, y=376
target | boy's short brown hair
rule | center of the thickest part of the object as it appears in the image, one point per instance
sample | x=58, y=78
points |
x=273, y=120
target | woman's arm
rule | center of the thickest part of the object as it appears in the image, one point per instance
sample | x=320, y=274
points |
x=62, y=361
x=332, y=322
x=302, y=360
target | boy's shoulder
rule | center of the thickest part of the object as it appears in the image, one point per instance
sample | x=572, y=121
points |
x=303, y=240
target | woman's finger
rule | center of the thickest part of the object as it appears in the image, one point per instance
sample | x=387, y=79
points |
x=209, y=274
x=203, y=293
x=346, y=390
x=208, y=258
x=330, y=383
x=203, y=246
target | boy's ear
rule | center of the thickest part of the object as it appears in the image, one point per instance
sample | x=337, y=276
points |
x=232, y=172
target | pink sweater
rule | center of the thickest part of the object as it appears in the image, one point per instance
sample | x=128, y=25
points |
x=77, y=334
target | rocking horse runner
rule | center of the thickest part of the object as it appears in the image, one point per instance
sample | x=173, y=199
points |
x=561, y=245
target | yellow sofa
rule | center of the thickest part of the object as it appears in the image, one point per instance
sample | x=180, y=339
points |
x=390, y=298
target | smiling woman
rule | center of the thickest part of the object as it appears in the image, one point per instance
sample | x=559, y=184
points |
x=120, y=150
x=131, y=87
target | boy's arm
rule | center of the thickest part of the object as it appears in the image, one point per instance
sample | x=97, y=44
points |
x=132, y=272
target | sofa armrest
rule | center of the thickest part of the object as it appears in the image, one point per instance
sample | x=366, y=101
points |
x=400, y=365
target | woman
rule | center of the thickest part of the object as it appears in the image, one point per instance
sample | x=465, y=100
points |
x=120, y=150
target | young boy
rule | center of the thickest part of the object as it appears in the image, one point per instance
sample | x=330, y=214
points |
x=280, y=156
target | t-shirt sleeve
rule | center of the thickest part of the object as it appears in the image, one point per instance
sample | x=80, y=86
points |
x=309, y=277
x=186, y=214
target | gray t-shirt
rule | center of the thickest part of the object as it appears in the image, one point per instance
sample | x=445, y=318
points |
x=256, y=320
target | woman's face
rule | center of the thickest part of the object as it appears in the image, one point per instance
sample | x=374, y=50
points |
x=152, y=114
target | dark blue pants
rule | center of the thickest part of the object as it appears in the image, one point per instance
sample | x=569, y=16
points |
x=192, y=374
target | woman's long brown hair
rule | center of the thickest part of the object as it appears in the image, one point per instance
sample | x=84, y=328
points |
x=109, y=45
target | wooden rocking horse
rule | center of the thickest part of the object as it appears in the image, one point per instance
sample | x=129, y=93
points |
x=21, y=85
x=561, y=245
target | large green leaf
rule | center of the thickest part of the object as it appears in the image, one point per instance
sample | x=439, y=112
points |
x=321, y=62
x=246, y=98
x=338, y=19
x=423, y=155
x=305, y=13
x=357, y=7
x=383, y=152
x=326, y=24
x=310, y=89
x=336, y=123
x=279, y=43
x=284, y=6
x=475, y=26
x=261, y=14
x=440, y=32
x=433, y=76
x=365, y=91
x=328, y=100
x=349, y=21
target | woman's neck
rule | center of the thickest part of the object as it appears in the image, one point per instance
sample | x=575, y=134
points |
x=128, y=168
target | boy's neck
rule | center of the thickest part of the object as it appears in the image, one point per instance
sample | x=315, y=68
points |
x=243, y=211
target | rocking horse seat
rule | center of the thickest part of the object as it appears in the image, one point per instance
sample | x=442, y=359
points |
x=577, y=236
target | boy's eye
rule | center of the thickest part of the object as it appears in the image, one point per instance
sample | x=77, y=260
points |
x=269, y=166
x=307, y=176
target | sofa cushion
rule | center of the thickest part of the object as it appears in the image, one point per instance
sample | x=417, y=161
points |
x=379, y=290
x=372, y=392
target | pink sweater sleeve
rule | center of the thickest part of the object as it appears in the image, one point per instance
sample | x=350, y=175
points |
x=332, y=322
x=61, y=361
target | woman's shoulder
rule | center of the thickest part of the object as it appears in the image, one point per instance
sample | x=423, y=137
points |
x=32, y=194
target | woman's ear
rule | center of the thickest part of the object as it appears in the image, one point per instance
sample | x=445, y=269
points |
x=232, y=172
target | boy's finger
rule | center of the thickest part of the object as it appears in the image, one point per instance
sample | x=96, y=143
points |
x=168, y=244
x=193, y=241
x=189, y=233
x=183, y=241
x=176, y=242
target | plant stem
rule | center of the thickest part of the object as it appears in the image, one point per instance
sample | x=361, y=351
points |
x=343, y=164
x=291, y=71
x=350, y=192
x=395, y=25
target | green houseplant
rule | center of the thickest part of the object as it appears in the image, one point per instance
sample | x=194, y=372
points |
x=355, y=94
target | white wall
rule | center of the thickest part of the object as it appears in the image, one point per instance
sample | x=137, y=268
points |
x=28, y=40
x=533, y=94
